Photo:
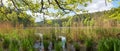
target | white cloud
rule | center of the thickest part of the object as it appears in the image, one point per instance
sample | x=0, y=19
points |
x=98, y=5
x=40, y=17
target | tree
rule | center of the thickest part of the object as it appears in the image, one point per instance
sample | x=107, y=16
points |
x=14, y=17
x=63, y=6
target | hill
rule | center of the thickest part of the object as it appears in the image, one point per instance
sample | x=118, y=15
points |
x=86, y=19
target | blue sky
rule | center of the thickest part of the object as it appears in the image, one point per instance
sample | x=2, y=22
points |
x=116, y=3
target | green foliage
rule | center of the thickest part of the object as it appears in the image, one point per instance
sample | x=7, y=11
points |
x=116, y=14
x=39, y=6
x=109, y=44
x=49, y=22
x=46, y=44
x=58, y=46
x=6, y=43
x=14, y=17
x=77, y=46
x=88, y=43
x=46, y=40
x=27, y=44
x=16, y=40
x=15, y=44
x=24, y=39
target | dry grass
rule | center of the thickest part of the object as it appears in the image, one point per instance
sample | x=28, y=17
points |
x=75, y=33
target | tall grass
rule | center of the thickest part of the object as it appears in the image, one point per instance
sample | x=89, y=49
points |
x=14, y=39
x=89, y=38
x=23, y=39
x=109, y=44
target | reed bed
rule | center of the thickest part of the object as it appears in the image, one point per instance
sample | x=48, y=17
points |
x=82, y=38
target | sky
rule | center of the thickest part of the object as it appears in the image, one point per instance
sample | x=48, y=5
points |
x=92, y=7
x=98, y=6
x=116, y=3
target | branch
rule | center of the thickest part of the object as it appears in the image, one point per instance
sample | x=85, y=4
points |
x=25, y=3
x=1, y=3
x=14, y=4
x=41, y=5
x=49, y=2
x=63, y=9
x=59, y=5
x=105, y=2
